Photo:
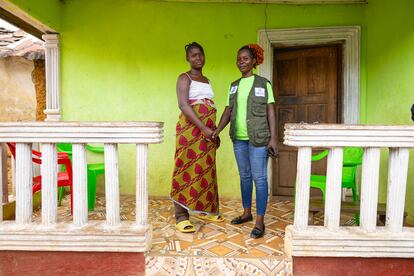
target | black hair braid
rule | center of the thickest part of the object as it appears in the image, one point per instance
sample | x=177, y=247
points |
x=191, y=46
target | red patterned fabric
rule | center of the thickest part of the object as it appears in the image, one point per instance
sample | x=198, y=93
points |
x=194, y=183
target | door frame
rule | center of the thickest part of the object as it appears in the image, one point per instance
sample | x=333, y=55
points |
x=347, y=36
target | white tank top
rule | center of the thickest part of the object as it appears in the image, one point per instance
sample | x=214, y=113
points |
x=199, y=90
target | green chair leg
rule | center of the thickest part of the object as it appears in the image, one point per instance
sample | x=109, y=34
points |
x=354, y=195
x=60, y=195
x=91, y=190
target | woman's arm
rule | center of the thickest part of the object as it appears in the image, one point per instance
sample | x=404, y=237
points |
x=224, y=120
x=272, y=146
x=183, y=87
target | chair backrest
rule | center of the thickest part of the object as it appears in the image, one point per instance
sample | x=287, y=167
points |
x=36, y=155
x=65, y=147
x=352, y=156
x=62, y=158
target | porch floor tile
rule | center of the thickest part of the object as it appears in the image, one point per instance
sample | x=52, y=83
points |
x=215, y=248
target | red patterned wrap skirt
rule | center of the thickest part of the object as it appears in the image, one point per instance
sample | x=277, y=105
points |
x=194, y=182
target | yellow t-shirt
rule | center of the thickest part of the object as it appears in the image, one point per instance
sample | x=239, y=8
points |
x=245, y=85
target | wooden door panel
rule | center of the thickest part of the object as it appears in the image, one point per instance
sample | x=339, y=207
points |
x=316, y=113
x=305, y=83
x=286, y=179
x=288, y=80
x=285, y=114
x=316, y=82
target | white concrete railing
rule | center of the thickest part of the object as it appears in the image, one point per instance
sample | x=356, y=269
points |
x=368, y=239
x=80, y=234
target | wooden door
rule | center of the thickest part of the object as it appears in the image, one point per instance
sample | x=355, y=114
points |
x=306, y=87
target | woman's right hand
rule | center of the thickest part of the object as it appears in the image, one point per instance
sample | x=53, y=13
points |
x=215, y=134
x=207, y=133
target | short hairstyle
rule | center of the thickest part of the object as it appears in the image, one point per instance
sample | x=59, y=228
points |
x=191, y=46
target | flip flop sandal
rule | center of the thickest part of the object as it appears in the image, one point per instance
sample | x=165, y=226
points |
x=185, y=226
x=213, y=218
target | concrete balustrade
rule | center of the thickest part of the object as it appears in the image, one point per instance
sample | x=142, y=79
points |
x=80, y=234
x=368, y=239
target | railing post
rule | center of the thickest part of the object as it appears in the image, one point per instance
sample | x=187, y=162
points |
x=24, y=183
x=397, y=181
x=369, y=188
x=49, y=184
x=3, y=178
x=333, y=189
x=112, y=185
x=80, y=185
x=13, y=173
x=302, y=188
x=141, y=185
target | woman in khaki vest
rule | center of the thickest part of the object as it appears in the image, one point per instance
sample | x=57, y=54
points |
x=250, y=111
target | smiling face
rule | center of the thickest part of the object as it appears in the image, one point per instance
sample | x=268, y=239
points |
x=196, y=58
x=245, y=61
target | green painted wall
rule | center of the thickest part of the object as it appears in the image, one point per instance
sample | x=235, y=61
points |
x=390, y=67
x=120, y=62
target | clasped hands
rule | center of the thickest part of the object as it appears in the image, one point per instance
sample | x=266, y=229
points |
x=211, y=135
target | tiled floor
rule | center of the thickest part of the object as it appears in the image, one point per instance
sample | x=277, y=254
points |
x=215, y=248
x=219, y=239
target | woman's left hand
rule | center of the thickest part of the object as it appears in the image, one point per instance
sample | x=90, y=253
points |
x=217, y=141
x=272, y=148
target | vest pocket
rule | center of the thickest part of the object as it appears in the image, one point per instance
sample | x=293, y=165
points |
x=259, y=109
x=262, y=136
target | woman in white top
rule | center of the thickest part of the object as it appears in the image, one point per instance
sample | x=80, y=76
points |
x=194, y=184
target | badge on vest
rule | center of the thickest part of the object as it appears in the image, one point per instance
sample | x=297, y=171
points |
x=233, y=90
x=259, y=92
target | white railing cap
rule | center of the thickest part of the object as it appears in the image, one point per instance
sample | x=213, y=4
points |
x=82, y=132
x=331, y=135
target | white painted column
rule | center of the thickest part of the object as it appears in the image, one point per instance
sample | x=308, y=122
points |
x=397, y=182
x=80, y=185
x=3, y=178
x=302, y=188
x=333, y=189
x=142, y=185
x=49, y=184
x=52, y=64
x=112, y=185
x=369, y=189
x=24, y=183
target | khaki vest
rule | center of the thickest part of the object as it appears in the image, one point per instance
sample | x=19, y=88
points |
x=257, y=124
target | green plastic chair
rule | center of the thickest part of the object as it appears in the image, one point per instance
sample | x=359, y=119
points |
x=93, y=171
x=352, y=158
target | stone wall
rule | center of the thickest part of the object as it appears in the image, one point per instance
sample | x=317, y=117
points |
x=17, y=92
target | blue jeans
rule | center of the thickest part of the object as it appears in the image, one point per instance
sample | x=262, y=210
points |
x=252, y=164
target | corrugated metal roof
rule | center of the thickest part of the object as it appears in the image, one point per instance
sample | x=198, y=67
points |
x=19, y=43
